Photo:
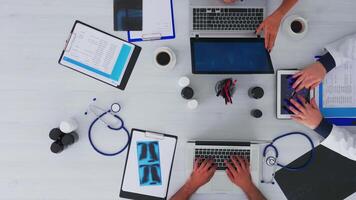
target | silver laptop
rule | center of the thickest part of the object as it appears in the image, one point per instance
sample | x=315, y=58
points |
x=220, y=151
x=214, y=18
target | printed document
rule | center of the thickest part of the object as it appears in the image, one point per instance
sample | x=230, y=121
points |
x=339, y=87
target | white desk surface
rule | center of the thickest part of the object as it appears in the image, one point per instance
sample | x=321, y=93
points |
x=37, y=93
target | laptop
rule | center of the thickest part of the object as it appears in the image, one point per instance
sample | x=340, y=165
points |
x=220, y=151
x=223, y=39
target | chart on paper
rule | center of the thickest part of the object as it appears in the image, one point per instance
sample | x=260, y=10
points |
x=339, y=87
x=97, y=54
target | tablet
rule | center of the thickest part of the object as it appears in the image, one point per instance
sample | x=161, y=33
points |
x=99, y=55
x=285, y=92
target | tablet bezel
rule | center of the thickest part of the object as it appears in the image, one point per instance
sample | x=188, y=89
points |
x=130, y=65
x=279, y=75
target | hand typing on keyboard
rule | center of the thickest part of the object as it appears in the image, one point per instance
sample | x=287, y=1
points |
x=270, y=25
x=229, y=1
x=238, y=171
x=203, y=171
x=270, y=28
x=239, y=174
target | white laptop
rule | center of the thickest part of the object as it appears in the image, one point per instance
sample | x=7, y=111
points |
x=214, y=18
x=221, y=150
x=223, y=38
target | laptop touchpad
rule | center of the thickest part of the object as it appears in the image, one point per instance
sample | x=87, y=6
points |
x=221, y=183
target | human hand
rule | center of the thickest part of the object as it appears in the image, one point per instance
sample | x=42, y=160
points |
x=201, y=173
x=229, y=1
x=306, y=113
x=270, y=27
x=239, y=172
x=310, y=77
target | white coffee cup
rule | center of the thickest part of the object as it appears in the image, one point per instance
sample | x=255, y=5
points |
x=295, y=26
x=164, y=58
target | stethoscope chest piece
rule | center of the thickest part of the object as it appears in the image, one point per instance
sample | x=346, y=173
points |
x=271, y=155
x=271, y=161
x=115, y=107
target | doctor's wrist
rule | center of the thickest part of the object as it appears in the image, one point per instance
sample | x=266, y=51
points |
x=324, y=128
x=190, y=187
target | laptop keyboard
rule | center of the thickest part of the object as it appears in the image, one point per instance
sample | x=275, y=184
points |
x=220, y=155
x=234, y=19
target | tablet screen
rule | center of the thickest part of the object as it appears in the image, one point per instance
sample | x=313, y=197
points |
x=287, y=93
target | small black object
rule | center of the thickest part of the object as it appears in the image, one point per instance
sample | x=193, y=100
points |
x=187, y=93
x=57, y=147
x=68, y=139
x=256, y=92
x=56, y=134
x=256, y=113
x=61, y=140
x=163, y=58
x=296, y=26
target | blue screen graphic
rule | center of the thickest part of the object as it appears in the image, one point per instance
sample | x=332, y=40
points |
x=231, y=57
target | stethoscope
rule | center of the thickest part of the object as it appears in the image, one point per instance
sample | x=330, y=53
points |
x=114, y=109
x=271, y=161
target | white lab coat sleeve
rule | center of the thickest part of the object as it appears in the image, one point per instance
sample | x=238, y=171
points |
x=341, y=141
x=343, y=50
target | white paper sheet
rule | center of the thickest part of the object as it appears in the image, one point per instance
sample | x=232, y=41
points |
x=156, y=20
x=131, y=181
x=339, y=87
x=96, y=50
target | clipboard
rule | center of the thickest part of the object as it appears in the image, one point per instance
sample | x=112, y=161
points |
x=329, y=176
x=337, y=116
x=99, y=55
x=341, y=116
x=137, y=36
x=131, y=186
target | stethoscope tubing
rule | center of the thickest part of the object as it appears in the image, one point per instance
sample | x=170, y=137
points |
x=116, y=129
x=298, y=168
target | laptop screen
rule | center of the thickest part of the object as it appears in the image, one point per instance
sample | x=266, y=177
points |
x=230, y=56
